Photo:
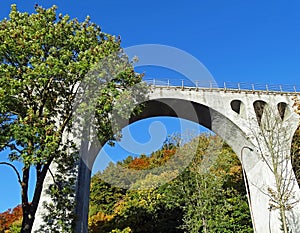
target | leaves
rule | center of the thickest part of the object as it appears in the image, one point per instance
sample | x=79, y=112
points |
x=45, y=60
x=208, y=196
x=11, y=218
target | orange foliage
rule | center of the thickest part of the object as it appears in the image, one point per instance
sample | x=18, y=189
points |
x=139, y=163
x=156, y=159
x=168, y=153
x=8, y=217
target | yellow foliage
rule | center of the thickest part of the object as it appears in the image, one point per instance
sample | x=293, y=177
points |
x=296, y=105
x=235, y=170
x=126, y=230
x=98, y=220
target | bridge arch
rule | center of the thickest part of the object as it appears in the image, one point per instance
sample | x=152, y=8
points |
x=173, y=107
x=213, y=109
x=195, y=112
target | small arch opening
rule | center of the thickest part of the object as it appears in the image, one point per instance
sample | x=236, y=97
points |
x=282, y=107
x=236, y=106
x=259, y=106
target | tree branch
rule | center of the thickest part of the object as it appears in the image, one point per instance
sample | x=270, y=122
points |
x=44, y=97
x=24, y=185
x=11, y=146
x=53, y=178
x=39, y=185
x=15, y=169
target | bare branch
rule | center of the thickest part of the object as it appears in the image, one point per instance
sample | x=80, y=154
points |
x=11, y=146
x=53, y=178
x=15, y=169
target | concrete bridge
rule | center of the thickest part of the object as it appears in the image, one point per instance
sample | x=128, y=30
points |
x=259, y=127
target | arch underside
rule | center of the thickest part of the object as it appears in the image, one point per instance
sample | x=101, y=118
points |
x=195, y=112
x=188, y=110
x=176, y=108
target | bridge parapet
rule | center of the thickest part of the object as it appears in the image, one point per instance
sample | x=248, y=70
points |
x=226, y=86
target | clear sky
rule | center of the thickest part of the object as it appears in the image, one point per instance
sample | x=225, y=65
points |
x=237, y=41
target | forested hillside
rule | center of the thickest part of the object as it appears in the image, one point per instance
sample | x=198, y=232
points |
x=207, y=196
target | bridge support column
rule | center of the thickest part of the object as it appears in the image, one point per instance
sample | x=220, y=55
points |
x=274, y=191
x=263, y=194
x=264, y=149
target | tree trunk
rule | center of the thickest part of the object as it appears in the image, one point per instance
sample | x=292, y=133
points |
x=283, y=219
x=29, y=209
x=27, y=223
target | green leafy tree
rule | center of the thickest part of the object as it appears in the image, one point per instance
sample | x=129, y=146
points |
x=140, y=210
x=209, y=196
x=60, y=210
x=44, y=58
x=211, y=192
x=104, y=196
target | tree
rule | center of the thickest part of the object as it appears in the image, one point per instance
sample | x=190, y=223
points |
x=44, y=58
x=208, y=196
x=211, y=191
x=104, y=196
x=272, y=137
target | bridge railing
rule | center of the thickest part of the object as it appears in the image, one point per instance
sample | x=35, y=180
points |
x=237, y=86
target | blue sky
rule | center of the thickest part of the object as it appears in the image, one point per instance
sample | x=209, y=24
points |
x=237, y=41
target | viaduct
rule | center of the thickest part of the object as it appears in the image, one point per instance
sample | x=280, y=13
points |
x=259, y=127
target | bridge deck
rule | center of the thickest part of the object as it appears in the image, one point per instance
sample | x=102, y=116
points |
x=253, y=88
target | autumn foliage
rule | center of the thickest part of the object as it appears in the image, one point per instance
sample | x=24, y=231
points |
x=164, y=207
x=9, y=217
x=139, y=163
x=156, y=159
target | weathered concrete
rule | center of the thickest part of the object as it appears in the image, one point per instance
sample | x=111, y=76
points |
x=232, y=116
